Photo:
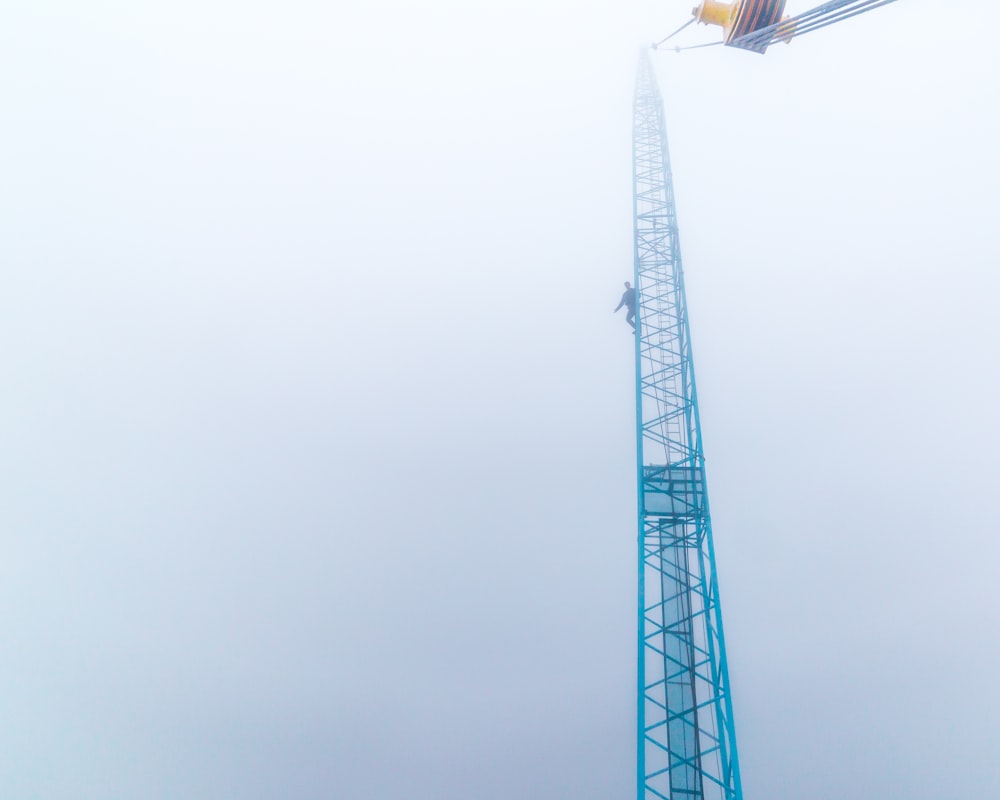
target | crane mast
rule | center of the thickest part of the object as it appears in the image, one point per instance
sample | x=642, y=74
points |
x=686, y=737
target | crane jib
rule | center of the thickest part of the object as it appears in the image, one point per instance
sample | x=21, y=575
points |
x=754, y=25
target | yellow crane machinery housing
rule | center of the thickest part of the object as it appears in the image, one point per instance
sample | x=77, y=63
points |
x=745, y=17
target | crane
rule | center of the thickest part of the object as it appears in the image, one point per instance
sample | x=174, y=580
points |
x=687, y=741
x=755, y=24
x=685, y=730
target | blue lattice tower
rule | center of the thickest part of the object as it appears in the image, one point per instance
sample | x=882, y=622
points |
x=686, y=739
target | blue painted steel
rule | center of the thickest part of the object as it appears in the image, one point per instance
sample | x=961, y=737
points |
x=686, y=737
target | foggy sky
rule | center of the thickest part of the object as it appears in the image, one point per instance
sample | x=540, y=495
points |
x=317, y=465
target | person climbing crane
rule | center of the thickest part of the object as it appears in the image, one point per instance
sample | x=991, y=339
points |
x=628, y=300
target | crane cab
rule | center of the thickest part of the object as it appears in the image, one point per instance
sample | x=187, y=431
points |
x=744, y=17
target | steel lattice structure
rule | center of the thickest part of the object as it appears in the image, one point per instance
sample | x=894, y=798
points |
x=686, y=739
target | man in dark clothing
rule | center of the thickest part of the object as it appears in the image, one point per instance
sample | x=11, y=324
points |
x=628, y=300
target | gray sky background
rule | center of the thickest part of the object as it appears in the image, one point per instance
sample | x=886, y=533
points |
x=316, y=444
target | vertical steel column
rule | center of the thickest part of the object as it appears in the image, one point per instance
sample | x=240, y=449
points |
x=686, y=738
